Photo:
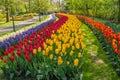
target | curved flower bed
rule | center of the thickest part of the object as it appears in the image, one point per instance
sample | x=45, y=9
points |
x=53, y=53
x=109, y=40
x=17, y=37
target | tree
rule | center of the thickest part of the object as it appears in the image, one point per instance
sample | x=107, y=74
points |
x=119, y=11
x=11, y=7
x=5, y=5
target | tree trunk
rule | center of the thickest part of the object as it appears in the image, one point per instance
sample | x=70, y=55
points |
x=59, y=4
x=119, y=10
x=7, y=14
x=7, y=10
x=87, y=9
x=26, y=9
x=29, y=6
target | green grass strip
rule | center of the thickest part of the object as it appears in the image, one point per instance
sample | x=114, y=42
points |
x=96, y=64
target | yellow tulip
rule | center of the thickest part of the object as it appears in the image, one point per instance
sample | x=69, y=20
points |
x=51, y=56
x=71, y=41
x=52, y=36
x=77, y=46
x=50, y=47
x=47, y=50
x=45, y=46
x=71, y=53
x=73, y=47
x=76, y=40
x=60, y=61
x=56, y=51
x=51, y=42
x=67, y=62
x=47, y=41
x=34, y=51
x=65, y=53
x=63, y=49
x=39, y=49
x=83, y=45
x=79, y=55
x=43, y=52
x=67, y=45
x=59, y=47
x=76, y=61
x=54, y=40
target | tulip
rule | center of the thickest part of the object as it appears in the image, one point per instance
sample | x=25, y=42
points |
x=60, y=61
x=51, y=56
x=39, y=49
x=76, y=61
x=79, y=55
x=56, y=51
x=71, y=53
x=34, y=51
x=67, y=62
x=27, y=58
x=11, y=58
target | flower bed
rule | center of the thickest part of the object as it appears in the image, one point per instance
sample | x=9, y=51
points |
x=53, y=53
x=109, y=40
x=14, y=38
x=25, y=16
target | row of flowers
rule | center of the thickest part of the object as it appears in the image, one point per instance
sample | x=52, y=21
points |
x=25, y=16
x=14, y=37
x=54, y=52
x=107, y=32
x=108, y=38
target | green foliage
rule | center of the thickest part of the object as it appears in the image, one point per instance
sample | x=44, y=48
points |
x=100, y=8
x=16, y=7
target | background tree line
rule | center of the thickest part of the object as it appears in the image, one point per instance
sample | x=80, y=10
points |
x=107, y=9
x=16, y=7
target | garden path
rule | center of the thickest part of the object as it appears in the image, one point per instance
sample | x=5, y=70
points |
x=19, y=25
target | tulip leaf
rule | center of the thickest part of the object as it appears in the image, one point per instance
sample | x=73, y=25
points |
x=27, y=73
x=39, y=77
x=11, y=76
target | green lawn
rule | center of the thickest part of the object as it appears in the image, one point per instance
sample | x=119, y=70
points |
x=96, y=64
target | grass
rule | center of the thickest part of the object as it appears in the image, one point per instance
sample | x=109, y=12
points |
x=4, y=24
x=96, y=64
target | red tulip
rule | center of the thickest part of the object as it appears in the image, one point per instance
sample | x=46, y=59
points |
x=1, y=57
x=11, y=58
x=19, y=53
x=7, y=52
x=28, y=58
x=5, y=61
